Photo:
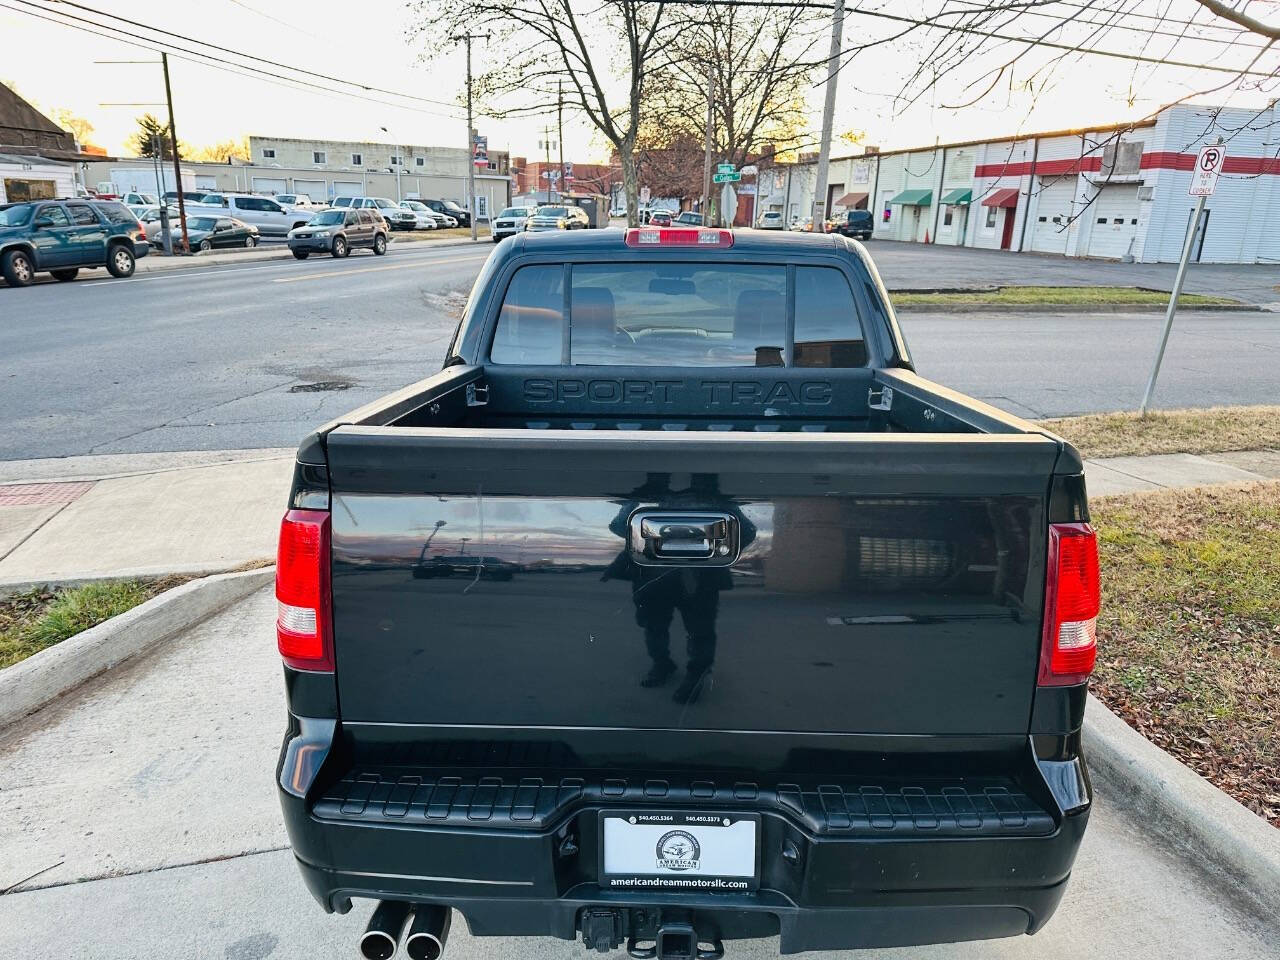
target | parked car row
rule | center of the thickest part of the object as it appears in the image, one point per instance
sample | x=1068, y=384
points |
x=557, y=217
x=852, y=223
x=63, y=237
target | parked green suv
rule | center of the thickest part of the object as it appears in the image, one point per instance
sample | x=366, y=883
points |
x=62, y=236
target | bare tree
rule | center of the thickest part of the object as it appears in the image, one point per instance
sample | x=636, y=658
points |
x=603, y=53
x=965, y=51
x=757, y=66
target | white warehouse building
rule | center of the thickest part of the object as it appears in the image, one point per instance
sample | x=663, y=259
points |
x=1117, y=192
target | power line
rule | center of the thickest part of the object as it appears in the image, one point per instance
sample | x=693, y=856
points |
x=219, y=60
x=245, y=56
x=209, y=59
x=933, y=25
x=1150, y=31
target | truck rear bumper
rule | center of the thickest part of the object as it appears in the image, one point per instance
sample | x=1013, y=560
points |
x=843, y=864
x=888, y=919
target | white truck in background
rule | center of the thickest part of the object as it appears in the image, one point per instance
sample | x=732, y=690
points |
x=143, y=180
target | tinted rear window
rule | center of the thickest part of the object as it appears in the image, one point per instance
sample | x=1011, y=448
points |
x=679, y=315
x=827, y=330
x=116, y=212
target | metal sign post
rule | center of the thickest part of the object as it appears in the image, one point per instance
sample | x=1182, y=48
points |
x=1203, y=182
x=728, y=205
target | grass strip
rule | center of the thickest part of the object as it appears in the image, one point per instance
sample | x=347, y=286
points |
x=37, y=619
x=1207, y=430
x=1057, y=296
x=1189, y=634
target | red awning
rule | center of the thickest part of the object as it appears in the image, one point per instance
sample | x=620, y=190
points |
x=852, y=201
x=1007, y=197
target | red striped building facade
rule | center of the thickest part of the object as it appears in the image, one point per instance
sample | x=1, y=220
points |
x=1116, y=192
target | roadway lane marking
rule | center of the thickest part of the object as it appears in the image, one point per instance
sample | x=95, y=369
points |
x=214, y=270
x=346, y=273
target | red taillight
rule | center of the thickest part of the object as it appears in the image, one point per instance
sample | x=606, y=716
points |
x=678, y=237
x=1071, y=602
x=304, y=627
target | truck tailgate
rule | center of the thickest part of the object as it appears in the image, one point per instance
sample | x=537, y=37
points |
x=886, y=584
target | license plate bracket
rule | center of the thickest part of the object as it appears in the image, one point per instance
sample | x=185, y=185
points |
x=680, y=850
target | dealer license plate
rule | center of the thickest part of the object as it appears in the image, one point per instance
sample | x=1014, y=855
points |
x=694, y=852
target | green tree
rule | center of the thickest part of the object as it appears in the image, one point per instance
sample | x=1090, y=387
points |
x=150, y=132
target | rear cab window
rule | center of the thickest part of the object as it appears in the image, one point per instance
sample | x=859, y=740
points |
x=679, y=314
x=116, y=213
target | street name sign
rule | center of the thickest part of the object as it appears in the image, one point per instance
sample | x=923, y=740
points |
x=1204, y=179
x=724, y=168
x=726, y=178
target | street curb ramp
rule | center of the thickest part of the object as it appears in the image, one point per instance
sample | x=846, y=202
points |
x=1172, y=800
x=30, y=684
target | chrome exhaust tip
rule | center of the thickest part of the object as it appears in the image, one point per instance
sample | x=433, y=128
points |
x=382, y=936
x=429, y=932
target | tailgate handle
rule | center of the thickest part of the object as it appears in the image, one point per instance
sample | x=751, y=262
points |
x=659, y=537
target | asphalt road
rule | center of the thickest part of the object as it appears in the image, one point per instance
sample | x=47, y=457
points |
x=144, y=803
x=256, y=355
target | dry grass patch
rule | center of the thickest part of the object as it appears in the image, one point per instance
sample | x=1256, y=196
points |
x=1208, y=430
x=39, y=618
x=446, y=233
x=1058, y=296
x=1189, y=635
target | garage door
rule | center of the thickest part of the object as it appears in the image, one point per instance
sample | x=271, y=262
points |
x=345, y=188
x=1053, y=214
x=270, y=185
x=315, y=189
x=206, y=182
x=1115, y=221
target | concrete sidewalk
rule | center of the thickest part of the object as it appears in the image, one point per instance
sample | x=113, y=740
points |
x=143, y=811
x=204, y=512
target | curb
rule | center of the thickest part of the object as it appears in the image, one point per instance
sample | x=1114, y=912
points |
x=1154, y=308
x=30, y=684
x=9, y=587
x=1174, y=801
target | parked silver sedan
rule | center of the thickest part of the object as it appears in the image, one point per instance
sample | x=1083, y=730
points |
x=423, y=215
x=151, y=225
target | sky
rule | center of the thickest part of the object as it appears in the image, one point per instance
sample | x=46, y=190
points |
x=56, y=66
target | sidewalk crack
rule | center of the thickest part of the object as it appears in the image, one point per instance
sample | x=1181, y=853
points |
x=40, y=526
x=13, y=890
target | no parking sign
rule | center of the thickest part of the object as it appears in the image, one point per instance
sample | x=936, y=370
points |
x=1204, y=179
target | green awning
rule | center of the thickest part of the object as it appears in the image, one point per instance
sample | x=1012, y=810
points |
x=914, y=198
x=958, y=196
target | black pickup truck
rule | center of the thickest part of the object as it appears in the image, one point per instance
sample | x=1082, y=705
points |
x=870, y=732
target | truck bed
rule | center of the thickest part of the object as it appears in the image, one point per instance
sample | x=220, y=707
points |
x=805, y=602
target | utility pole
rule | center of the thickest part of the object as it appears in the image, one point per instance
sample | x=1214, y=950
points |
x=399, y=167
x=828, y=118
x=560, y=131
x=706, y=160
x=546, y=143
x=397, y=162
x=471, y=137
x=177, y=165
x=166, y=234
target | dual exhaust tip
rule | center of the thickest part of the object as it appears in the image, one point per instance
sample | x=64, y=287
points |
x=427, y=934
